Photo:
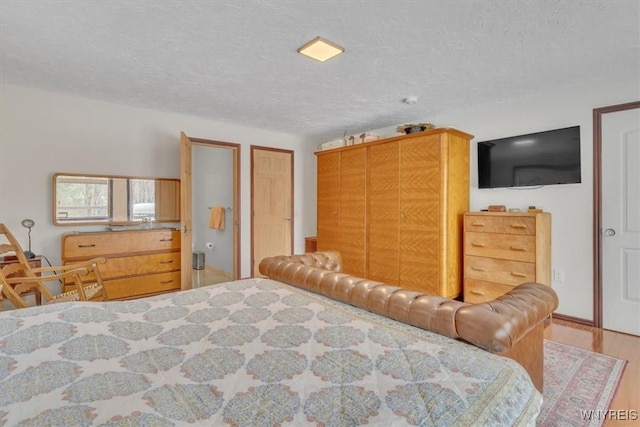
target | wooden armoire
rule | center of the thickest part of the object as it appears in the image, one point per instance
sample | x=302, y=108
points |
x=393, y=208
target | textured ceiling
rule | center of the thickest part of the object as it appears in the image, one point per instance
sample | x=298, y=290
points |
x=236, y=61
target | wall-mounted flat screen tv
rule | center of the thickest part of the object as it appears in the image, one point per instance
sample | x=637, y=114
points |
x=542, y=158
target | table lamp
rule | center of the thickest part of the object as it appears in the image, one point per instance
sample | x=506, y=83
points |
x=28, y=223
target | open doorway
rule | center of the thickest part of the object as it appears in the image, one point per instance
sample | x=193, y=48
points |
x=210, y=211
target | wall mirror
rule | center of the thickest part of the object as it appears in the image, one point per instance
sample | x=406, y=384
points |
x=102, y=199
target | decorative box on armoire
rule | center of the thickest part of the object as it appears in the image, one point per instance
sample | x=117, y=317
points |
x=393, y=208
x=503, y=250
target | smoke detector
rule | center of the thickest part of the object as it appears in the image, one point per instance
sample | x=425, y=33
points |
x=410, y=100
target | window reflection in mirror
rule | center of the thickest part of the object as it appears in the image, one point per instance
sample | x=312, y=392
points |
x=90, y=199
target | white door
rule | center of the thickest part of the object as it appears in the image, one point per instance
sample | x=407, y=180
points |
x=621, y=221
x=272, y=204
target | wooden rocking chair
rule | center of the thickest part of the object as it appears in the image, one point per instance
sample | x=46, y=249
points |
x=19, y=277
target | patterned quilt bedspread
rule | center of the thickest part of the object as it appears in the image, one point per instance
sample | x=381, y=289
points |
x=250, y=352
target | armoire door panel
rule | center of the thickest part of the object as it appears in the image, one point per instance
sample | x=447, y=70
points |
x=328, y=238
x=420, y=276
x=383, y=180
x=328, y=202
x=419, y=265
x=353, y=211
x=419, y=220
x=420, y=214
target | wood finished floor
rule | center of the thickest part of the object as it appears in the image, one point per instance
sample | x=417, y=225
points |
x=611, y=343
x=209, y=276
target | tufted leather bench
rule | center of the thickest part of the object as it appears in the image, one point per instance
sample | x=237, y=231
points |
x=511, y=325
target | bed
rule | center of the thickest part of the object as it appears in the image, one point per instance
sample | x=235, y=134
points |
x=248, y=352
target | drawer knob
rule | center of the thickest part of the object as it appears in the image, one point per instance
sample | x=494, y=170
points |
x=478, y=245
x=478, y=269
x=518, y=226
x=164, y=282
x=474, y=292
x=92, y=245
x=166, y=262
x=513, y=273
x=518, y=248
x=478, y=224
x=166, y=240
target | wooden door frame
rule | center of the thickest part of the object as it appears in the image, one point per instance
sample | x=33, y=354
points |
x=597, y=204
x=292, y=216
x=235, y=209
x=186, y=217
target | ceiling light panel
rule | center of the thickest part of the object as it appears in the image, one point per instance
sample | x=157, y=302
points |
x=320, y=49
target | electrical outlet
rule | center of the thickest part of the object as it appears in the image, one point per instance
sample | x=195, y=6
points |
x=558, y=276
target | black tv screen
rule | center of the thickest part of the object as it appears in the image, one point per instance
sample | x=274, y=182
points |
x=542, y=158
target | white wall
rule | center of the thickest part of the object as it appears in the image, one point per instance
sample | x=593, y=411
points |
x=571, y=205
x=44, y=132
x=41, y=133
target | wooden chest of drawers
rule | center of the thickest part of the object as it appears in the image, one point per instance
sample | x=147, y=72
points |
x=139, y=262
x=503, y=250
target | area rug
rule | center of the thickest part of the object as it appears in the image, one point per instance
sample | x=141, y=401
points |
x=577, y=381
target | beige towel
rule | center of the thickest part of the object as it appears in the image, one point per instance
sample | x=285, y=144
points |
x=216, y=220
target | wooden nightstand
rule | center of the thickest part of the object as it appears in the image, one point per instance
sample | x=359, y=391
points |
x=35, y=262
x=310, y=244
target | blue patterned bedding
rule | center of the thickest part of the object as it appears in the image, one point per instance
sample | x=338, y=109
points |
x=250, y=352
